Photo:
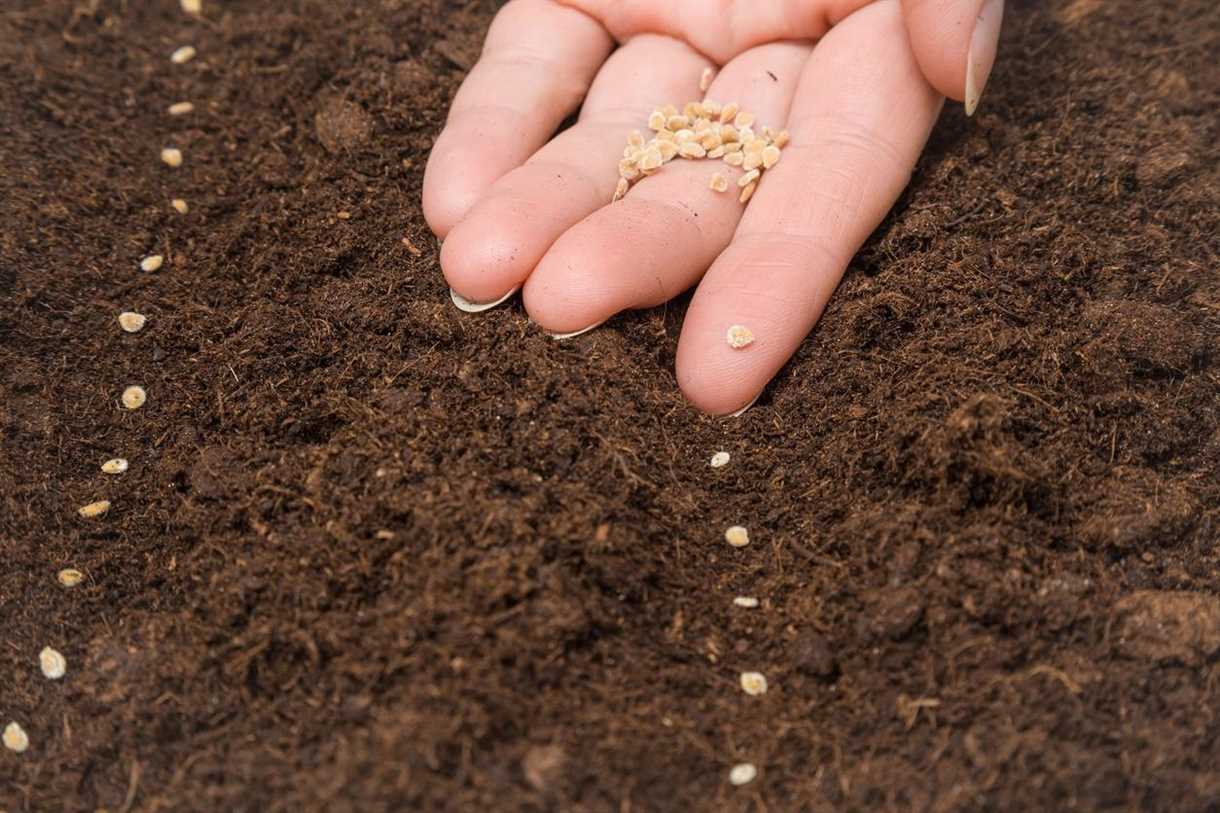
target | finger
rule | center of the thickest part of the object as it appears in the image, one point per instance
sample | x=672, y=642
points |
x=862, y=113
x=721, y=30
x=955, y=43
x=537, y=63
x=496, y=246
x=655, y=242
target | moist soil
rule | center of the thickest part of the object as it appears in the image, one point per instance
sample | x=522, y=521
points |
x=376, y=554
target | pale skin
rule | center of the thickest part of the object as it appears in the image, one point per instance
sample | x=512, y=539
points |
x=857, y=83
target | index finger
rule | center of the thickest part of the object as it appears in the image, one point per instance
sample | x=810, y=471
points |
x=537, y=63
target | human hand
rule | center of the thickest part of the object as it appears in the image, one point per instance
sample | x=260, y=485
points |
x=517, y=208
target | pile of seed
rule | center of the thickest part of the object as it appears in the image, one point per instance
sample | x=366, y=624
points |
x=703, y=129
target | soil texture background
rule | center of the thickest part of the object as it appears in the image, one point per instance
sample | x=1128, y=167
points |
x=376, y=554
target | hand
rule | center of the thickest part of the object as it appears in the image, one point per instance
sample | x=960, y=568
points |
x=518, y=211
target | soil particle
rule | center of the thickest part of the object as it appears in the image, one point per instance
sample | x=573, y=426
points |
x=1168, y=626
x=342, y=124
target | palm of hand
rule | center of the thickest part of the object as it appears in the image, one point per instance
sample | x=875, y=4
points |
x=516, y=210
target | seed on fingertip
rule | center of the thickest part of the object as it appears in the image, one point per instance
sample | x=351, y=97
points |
x=69, y=577
x=737, y=536
x=15, y=738
x=134, y=397
x=184, y=54
x=749, y=602
x=180, y=108
x=179, y=206
x=720, y=459
x=172, y=156
x=753, y=683
x=132, y=322
x=53, y=664
x=742, y=774
x=739, y=336
x=116, y=465
x=705, y=79
x=718, y=183
x=152, y=262
x=94, y=509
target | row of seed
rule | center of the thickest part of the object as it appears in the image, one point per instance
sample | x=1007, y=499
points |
x=52, y=662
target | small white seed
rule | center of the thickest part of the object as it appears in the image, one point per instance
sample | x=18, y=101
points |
x=180, y=108
x=705, y=79
x=737, y=536
x=728, y=112
x=752, y=160
x=621, y=189
x=720, y=459
x=184, y=54
x=734, y=159
x=53, y=664
x=115, y=465
x=739, y=336
x=747, y=193
x=628, y=170
x=152, y=262
x=711, y=109
x=179, y=206
x=693, y=110
x=192, y=6
x=781, y=139
x=656, y=121
x=132, y=322
x=749, y=602
x=718, y=183
x=743, y=119
x=753, y=683
x=691, y=149
x=635, y=139
x=15, y=738
x=668, y=150
x=677, y=122
x=770, y=156
x=651, y=159
x=94, y=509
x=134, y=397
x=69, y=577
x=716, y=152
x=172, y=156
x=742, y=774
x=748, y=178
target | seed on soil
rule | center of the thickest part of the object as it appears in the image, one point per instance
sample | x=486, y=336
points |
x=747, y=193
x=115, y=465
x=134, y=397
x=172, y=156
x=748, y=178
x=69, y=577
x=94, y=509
x=53, y=664
x=742, y=774
x=192, y=6
x=718, y=183
x=737, y=536
x=15, y=738
x=180, y=108
x=705, y=79
x=753, y=683
x=184, y=54
x=749, y=602
x=179, y=206
x=739, y=336
x=131, y=321
x=152, y=262
x=720, y=459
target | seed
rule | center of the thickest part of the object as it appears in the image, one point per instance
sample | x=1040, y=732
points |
x=739, y=336
x=192, y=6
x=635, y=139
x=134, y=397
x=132, y=322
x=651, y=160
x=666, y=135
x=152, y=262
x=737, y=536
x=15, y=738
x=656, y=120
x=621, y=189
x=705, y=79
x=180, y=108
x=172, y=156
x=720, y=458
x=749, y=178
x=691, y=149
x=668, y=149
x=184, y=54
x=756, y=145
x=728, y=112
x=94, y=509
x=179, y=206
x=770, y=156
x=728, y=133
x=753, y=683
x=685, y=134
x=716, y=152
x=743, y=119
x=747, y=193
x=717, y=184
x=70, y=577
x=781, y=139
x=116, y=465
x=742, y=774
x=745, y=135
x=628, y=170
x=749, y=602
x=711, y=109
x=752, y=160
x=710, y=141
x=677, y=123
x=734, y=159
x=53, y=664
x=693, y=110
x=732, y=146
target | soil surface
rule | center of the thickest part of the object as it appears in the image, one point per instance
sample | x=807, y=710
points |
x=376, y=554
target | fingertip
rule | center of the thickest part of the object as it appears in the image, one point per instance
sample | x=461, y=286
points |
x=940, y=35
x=480, y=259
x=714, y=377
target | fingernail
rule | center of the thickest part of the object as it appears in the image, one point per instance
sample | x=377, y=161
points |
x=981, y=57
x=466, y=305
x=742, y=411
x=575, y=333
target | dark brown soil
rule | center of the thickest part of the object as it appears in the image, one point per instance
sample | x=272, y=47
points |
x=376, y=554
